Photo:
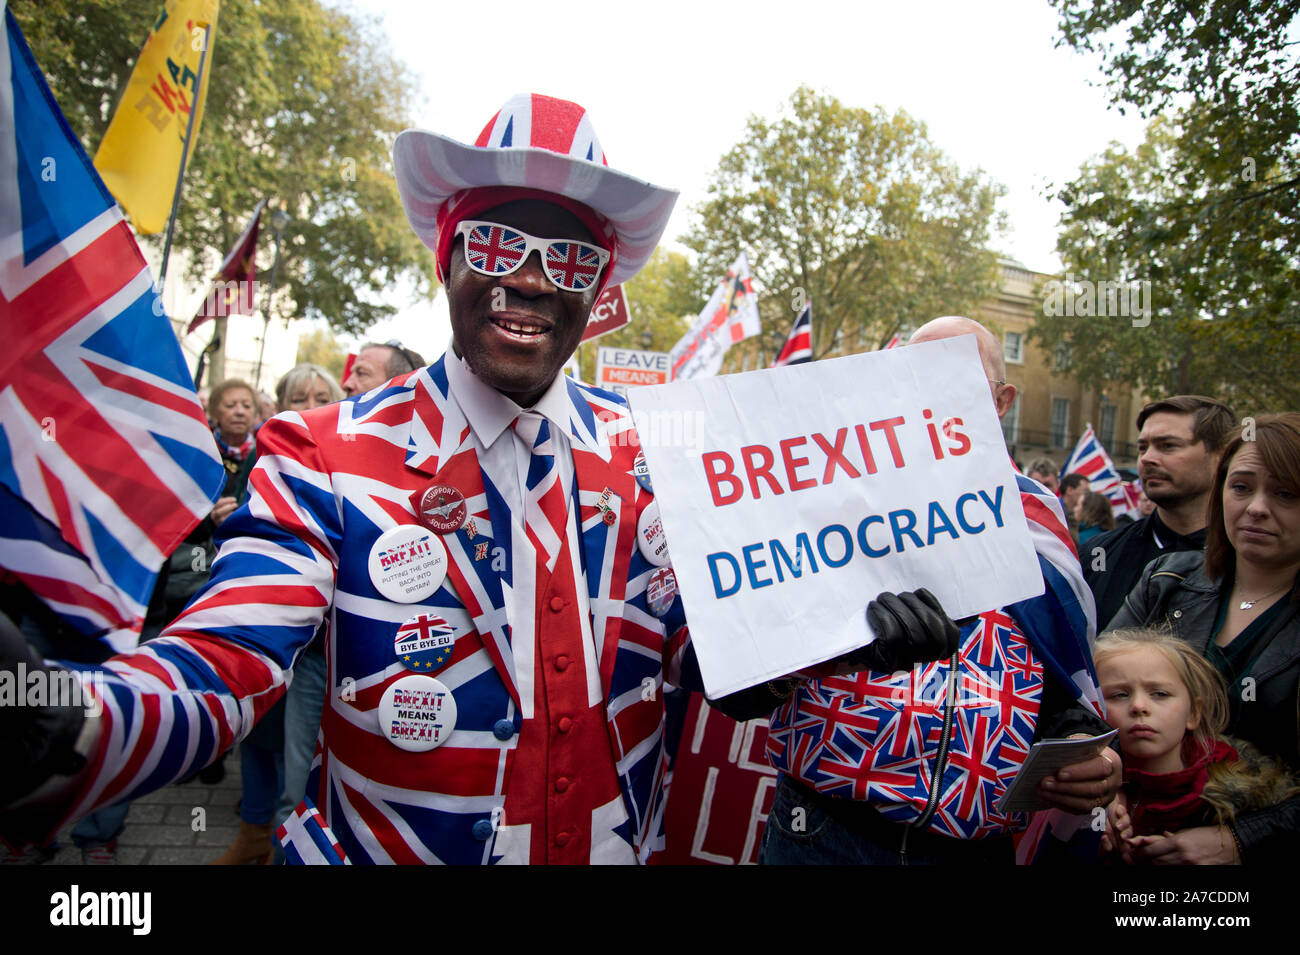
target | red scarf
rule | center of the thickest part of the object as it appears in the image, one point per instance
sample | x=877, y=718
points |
x=1167, y=802
x=233, y=452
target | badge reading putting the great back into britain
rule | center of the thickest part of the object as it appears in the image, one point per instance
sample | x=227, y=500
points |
x=417, y=713
x=408, y=563
x=424, y=643
x=441, y=508
x=650, y=539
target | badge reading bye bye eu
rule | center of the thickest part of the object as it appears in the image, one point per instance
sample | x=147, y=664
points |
x=417, y=713
x=660, y=591
x=407, y=563
x=424, y=642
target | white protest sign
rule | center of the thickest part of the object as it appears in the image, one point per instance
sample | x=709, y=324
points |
x=815, y=487
x=617, y=369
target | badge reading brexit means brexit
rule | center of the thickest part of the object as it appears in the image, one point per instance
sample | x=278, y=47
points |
x=408, y=563
x=424, y=642
x=417, y=713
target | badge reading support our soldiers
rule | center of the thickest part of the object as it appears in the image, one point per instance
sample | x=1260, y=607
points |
x=650, y=539
x=441, y=508
x=408, y=563
x=417, y=713
x=424, y=643
x=641, y=471
x=660, y=591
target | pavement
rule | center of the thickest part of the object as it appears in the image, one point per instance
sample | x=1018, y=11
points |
x=162, y=828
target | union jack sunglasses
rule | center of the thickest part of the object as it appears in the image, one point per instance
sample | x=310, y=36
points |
x=494, y=249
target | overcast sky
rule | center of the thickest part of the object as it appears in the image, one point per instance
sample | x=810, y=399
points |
x=670, y=84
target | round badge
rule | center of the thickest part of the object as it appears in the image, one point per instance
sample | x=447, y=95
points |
x=442, y=508
x=408, y=563
x=423, y=643
x=417, y=713
x=641, y=471
x=609, y=518
x=650, y=539
x=660, y=591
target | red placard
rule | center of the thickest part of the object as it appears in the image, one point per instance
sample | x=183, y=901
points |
x=721, y=792
x=609, y=314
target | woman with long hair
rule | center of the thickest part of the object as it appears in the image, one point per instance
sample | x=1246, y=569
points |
x=1238, y=604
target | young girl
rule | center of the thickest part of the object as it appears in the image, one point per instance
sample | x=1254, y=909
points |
x=1169, y=706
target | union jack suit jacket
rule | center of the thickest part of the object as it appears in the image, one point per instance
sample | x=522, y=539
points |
x=327, y=484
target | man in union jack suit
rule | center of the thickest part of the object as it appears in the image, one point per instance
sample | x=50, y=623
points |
x=478, y=538
x=899, y=751
x=499, y=612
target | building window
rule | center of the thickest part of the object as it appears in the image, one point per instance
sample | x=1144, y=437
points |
x=1060, y=435
x=1013, y=343
x=1106, y=432
x=1063, y=355
x=1011, y=422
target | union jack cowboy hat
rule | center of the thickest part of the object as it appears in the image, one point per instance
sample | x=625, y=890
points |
x=534, y=145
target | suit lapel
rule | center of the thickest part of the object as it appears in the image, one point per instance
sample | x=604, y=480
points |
x=441, y=445
x=606, y=547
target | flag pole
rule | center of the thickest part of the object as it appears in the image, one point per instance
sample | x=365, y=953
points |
x=185, y=154
x=279, y=219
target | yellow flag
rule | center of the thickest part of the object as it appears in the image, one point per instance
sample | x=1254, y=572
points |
x=140, y=157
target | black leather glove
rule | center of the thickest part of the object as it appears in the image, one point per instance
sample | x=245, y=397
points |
x=36, y=742
x=910, y=628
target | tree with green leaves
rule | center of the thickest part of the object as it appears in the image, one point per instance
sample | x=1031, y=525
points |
x=854, y=208
x=318, y=346
x=661, y=300
x=1205, y=210
x=303, y=106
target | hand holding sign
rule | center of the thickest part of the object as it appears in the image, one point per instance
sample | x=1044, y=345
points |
x=821, y=485
x=910, y=629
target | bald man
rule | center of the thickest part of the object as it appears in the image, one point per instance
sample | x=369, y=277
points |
x=991, y=356
x=857, y=752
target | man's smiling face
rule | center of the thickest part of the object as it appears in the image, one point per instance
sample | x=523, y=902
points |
x=516, y=331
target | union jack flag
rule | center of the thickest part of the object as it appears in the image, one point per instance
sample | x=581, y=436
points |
x=498, y=253
x=574, y=264
x=1090, y=459
x=798, y=347
x=106, y=461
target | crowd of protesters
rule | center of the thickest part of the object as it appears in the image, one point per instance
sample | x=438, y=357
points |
x=1197, y=602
